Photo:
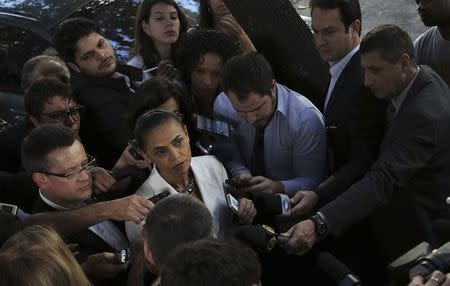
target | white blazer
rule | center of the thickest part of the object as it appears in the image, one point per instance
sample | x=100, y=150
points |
x=210, y=176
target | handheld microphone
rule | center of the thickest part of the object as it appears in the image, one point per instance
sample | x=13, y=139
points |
x=269, y=204
x=260, y=237
x=337, y=271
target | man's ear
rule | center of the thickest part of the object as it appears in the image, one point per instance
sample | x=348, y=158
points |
x=274, y=88
x=40, y=180
x=148, y=253
x=73, y=67
x=405, y=61
x=33, y=120
x=355, y=27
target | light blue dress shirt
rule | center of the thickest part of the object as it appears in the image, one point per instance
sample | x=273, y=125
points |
x=294, y=141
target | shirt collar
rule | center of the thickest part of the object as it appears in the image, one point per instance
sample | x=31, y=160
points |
x=398, y=100
x=281, y=104
x=338, y=66
x=50, y=203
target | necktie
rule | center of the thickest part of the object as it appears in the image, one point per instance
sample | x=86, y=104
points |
x=390, y=113
x=257, y=164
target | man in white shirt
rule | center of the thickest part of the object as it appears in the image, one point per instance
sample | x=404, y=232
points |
x=59, y=166
x=354, y=118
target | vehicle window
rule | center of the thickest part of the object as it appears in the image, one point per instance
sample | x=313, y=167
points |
x=16, y=47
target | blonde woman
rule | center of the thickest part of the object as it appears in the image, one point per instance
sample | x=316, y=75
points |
x=37, y=256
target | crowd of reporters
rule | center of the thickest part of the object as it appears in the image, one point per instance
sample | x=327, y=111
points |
x=168, y=169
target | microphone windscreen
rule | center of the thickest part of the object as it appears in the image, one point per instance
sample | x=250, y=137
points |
x=253, y=235
x=329, y=264
x=267, y=204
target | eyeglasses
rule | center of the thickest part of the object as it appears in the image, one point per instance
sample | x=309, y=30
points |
x=73, y=175
x=62, y=116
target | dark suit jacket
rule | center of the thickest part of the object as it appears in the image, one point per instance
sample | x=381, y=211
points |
x=88, y=242
x=409, y=182
x=104, y=127
x=16, y=186
x=354, y=119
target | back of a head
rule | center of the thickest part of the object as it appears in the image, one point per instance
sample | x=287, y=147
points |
x=249, y=72
x=41, y=141
x=173, y=221
x=350, y=10
x=390, y=41
x=151, y=94
x=28, y=70
x=211, y=262
x=42, y=90
x=41, y=254
x=69, y=32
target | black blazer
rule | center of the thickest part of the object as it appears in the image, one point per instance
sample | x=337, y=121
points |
x=104, y=128
x=88, y=242
x=354, y=119
x=409, y=182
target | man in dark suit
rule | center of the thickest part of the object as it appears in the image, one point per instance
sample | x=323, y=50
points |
x=353, y=115
x=406, y=187
x=59, y=166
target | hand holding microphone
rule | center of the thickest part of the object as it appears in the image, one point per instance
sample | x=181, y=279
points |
x=303, y=203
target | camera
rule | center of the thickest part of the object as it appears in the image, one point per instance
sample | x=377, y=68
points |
x=419, y=261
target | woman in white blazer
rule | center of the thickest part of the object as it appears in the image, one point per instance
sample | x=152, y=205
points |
x=164, y=140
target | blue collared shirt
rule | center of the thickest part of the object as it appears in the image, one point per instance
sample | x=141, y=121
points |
x=294, y=141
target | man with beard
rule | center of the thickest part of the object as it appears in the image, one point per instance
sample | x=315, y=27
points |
x=103, y=87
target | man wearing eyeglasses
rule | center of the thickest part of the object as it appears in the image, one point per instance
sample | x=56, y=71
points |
x=57, y=161
x=48, y=100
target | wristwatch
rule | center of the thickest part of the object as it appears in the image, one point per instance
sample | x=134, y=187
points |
x=320, y=225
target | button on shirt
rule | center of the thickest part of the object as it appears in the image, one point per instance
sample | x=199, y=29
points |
x=294, y=141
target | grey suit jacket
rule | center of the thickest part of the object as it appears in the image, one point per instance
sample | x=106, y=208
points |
x=410, y=180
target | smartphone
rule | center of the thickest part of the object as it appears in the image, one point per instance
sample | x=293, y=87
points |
x=206, y=149
x=122, y=256
x=134, y=150
x=213, y=126
x=233, y=204
x=12, y=209
x=159, y=197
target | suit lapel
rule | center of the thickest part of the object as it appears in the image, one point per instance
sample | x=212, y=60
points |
x=348, y=69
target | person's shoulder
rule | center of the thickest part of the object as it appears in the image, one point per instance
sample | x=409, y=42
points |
x=425, y=37
x=297, y=106
x=205, y=161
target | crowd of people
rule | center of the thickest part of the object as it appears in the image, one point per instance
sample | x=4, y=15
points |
x=144, y=172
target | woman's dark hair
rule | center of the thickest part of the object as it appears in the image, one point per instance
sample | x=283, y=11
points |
x=205, y=15
x=194, y=45
x=143, y=44
x=149, y=121
x=152, y=94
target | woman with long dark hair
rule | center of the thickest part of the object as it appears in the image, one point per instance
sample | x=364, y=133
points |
x=159, y=25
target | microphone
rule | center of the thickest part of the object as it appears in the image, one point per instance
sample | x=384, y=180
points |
x=337, y=271
x=260, y=237
x=269, y=204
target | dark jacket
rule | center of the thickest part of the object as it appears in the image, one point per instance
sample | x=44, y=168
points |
x=16, y=186
x=104, y=127
x=407, y=186
x=354, y=119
